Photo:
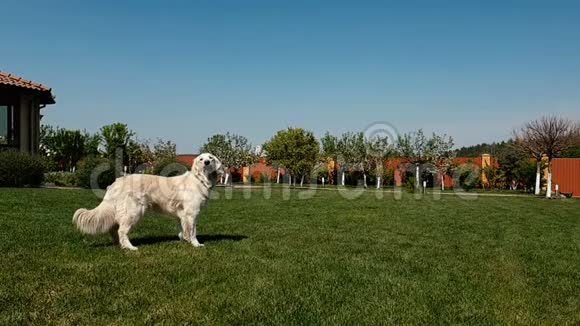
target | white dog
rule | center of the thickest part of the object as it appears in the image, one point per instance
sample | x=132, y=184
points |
x=129, y=197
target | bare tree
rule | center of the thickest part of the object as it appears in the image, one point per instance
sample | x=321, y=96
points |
x=548, y=136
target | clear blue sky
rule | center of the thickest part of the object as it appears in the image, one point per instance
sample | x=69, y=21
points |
x=184, y=70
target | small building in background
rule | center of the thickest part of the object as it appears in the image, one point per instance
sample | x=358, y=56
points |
x=21, y=102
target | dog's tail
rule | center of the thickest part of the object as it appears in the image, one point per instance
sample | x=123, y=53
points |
x=95, y=221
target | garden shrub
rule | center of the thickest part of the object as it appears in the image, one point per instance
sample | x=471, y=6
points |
x=408, y=180
x=61, y=179
x=526, y=173
x=469, y=177
x=169, y=167
x=102, y=168
x=409, y=184
x=19, y=169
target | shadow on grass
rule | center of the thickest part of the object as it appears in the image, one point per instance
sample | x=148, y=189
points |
x=151, y=240
x=173, y=238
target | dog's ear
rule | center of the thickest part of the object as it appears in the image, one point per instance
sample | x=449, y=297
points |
x=195, y=169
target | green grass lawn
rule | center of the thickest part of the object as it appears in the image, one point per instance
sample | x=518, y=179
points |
x=325, y=260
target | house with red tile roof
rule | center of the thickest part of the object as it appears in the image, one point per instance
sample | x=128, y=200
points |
x=21, y=102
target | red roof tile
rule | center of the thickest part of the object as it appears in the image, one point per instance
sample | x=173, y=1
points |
x=11, y=80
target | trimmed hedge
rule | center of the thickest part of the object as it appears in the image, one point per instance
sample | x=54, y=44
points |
x=19, y=169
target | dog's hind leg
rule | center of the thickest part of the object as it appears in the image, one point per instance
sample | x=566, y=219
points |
x=124, y=239
x=129, y=216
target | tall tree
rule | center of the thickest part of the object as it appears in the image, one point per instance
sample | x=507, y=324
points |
x=64, y=147
x=294, y=148
x=92, y=143
x=511, y=163
x=70, y=145
x=352, y=152
x=233, y=150
x=379, y=150
x=329, y=155
x=46, y=137
x=440, y=151
x=413, y=146
x=115, y=137
x=549, y=136
x=164, y=149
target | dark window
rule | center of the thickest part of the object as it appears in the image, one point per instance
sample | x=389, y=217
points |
x=7, y=125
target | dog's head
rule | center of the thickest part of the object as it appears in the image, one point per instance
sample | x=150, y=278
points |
x=208, y=165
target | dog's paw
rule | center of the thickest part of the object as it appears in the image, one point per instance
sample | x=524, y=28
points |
x=180, y=236
x=196, y=244
x=130, y=248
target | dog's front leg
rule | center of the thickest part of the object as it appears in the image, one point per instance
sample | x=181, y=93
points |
x=194, y=241
x=189, y=227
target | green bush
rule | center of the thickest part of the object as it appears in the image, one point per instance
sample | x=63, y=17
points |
x=469, y=177
x=95, y=167
x=407, y=180
x=169, y=167
x=526, y=173
x=61, y=179
x=409, y=184
x=19, y=169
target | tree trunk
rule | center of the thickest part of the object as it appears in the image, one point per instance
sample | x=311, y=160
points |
x=378, y=182
x=537, y=189
x=549, y=186
x=302, y=182
x=227, y=179
x=343, y=179
x=442, y=182
x=417, y=179
x=289, y=180
x=278, y=178
x=365, y=179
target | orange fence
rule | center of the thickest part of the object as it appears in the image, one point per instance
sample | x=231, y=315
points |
x=566, y=174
